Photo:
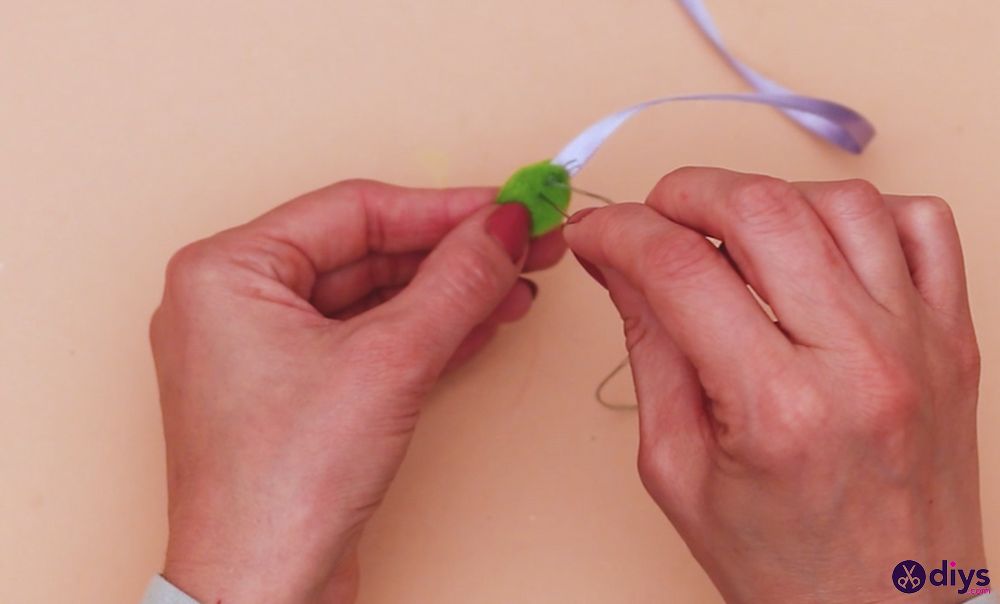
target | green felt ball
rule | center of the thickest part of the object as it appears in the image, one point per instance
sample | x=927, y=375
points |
x=543, y=188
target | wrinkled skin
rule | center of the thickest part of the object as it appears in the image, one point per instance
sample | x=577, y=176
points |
x=800, y=460
x=293, y=354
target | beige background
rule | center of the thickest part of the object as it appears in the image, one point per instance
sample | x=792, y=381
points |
x=129, y=128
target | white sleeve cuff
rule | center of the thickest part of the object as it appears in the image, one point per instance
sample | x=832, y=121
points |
x=161, y=591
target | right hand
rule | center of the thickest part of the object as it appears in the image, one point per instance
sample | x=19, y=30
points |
x=800, y=460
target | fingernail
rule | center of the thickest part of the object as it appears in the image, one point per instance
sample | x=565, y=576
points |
x=532, y=287
x=592, y=270
x=510, y=224
x=578, y=216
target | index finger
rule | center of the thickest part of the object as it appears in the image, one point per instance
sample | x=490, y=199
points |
x=693, y=291
x=356, y=223
x=779, y=243
x=344, y=222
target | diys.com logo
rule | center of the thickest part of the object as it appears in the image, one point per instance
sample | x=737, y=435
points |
x=909, y=576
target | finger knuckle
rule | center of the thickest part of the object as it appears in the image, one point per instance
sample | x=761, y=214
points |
x=646, y=461
x=775, y=425
x=795, y=410
x=931, y=208
x=472, y=275
x=765, y=203
x=155, y=328
x=969, y=362
x=673, y=182
x=636, y=331
x=354, y=187
x=680, y=256
x=616, y=225
x=681, y=174
x=854, y=199
x=192, y=264
x=655, y=470
x=892, y=392
x=779, y=455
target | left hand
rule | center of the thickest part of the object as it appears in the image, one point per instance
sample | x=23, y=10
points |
x=293, y=354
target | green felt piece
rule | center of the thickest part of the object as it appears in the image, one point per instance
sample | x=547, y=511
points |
x=542, y=188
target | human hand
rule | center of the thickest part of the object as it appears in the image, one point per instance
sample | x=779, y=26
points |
x=800, y=460
x=293, y=354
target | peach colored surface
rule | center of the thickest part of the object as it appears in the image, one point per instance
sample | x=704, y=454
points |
x=130, y=128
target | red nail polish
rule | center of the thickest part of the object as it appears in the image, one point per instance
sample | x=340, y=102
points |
x=592, y=270
x=510, y=224
x=577, y=217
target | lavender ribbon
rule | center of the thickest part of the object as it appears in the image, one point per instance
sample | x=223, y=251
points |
x=832, y=121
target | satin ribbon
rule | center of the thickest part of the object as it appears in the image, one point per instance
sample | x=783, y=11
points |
x=835, y=123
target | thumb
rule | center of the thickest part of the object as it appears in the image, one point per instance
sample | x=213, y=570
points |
x=669, y=393
x=462, y=281
x=667, y=387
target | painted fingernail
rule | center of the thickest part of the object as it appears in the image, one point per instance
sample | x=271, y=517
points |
x=510, y=224
x=532, y=287
x=592, y=270
x=578, y=216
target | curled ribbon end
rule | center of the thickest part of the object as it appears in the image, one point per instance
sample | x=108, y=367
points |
x=837, y=124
